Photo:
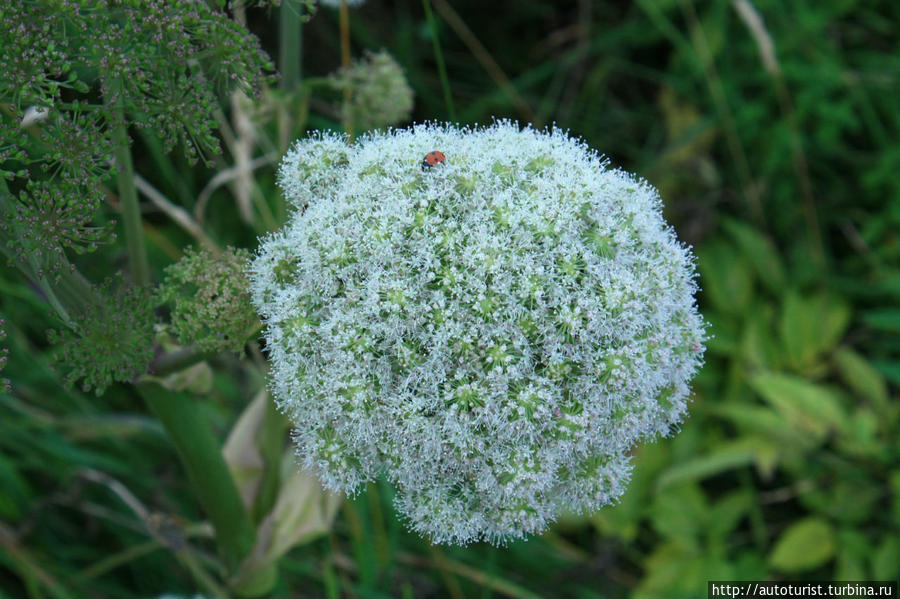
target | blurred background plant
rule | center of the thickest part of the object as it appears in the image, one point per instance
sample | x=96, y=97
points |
x=770, y=129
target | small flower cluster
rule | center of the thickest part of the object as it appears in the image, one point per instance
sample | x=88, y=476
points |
x=111, y=340
x=493, y=333
x=379, y=93
x=155, y=64
x=211, y=303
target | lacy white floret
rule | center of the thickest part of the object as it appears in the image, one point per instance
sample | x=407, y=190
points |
x=492, y=333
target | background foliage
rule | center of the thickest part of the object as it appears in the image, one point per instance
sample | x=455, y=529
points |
x=771, y=131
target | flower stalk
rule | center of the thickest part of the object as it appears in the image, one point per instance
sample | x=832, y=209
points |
x=128, y=198
x=201, y=456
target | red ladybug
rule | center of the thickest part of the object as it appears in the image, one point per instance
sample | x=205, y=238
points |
x=433, y=158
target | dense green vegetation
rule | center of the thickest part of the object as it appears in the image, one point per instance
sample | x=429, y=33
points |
x=772, y=130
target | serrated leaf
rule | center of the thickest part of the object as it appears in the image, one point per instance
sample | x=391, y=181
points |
x=810, y=408
x=805, y=545
x=760, y=252
x=861, y=377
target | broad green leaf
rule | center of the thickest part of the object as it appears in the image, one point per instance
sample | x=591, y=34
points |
x=810, y=408
x=760, y=252
x=861, y=377
x=724, y=457
x=805, y=545
x=811, y=326
x=678, y=513
x=726, y=278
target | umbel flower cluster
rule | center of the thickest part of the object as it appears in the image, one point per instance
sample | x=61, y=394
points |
x=379, y=93
x=492, y=333
x=210, y=302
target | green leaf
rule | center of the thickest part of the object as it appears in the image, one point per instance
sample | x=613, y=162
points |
x=805, y=545
x=760, y=252
x=679, y=513
x=810, y=408
x=725, y=457
x=886, y=559
x=853, y=549
x=811, y=326
x=726, y=278
x=725, y=514
x=883, y=319
x=890, y=370
x=861, y=377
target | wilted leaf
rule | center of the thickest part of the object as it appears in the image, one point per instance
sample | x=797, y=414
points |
x=304, y=510
x=196, y=379
x=241, y=451
x=805, y=545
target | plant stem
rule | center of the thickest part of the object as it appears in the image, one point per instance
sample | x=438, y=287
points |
x=344, y=14
x=131, y=213
x=202, y=458
x=439, y=58
x=290, y=46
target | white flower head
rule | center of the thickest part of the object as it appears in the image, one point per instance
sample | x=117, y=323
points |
x=492, y=329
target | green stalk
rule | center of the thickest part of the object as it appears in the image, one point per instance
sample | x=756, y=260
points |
x=290, y=57
x=202, y=457
x=131, y=212
x=439, y=58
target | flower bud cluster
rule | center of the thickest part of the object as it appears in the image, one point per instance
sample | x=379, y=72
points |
x=110, y=340
x=210, y=301
x=379, y=93
x=492, y=333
